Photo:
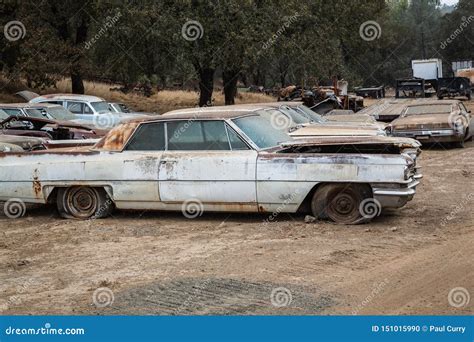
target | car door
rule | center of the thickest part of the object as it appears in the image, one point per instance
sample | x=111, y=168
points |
x=140, y=161
x=207, y=166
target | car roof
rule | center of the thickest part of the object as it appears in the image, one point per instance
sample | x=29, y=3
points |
x=434, y=102
x=16, y=105
x=218, y=112
x=78, y=97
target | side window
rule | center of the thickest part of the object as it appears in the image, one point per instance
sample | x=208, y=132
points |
x=235, y=142
x=216, y=136
x=185, y=136
x=13, y=112
x=88, y=109
x=197, y=136
x=76, y=107
x=148, y=137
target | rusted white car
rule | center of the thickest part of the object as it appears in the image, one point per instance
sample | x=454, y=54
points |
x=226, y=161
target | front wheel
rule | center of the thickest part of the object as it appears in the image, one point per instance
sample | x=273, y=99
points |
x=341, y=202
x=83, y=202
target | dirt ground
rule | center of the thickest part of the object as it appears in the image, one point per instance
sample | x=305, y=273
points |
x=404, y=262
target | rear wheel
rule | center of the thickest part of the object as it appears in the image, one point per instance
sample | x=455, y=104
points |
x=340, y=202
x=83, y=202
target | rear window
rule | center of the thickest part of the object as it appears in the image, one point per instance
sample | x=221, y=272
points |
x=149, y=137
x=429, y=109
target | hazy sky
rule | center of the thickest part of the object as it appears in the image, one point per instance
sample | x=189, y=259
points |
x=449, y=2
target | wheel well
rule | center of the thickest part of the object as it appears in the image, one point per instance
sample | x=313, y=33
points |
x=305, y=206
x=53, y=195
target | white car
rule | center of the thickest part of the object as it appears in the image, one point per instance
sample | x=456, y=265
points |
x=88, y=108
x=232, y=161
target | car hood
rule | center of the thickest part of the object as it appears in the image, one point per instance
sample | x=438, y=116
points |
x=354, y=120
x=336, y=130
x=24, y=141
x=355, y=140
x=6, y=147
x=425, y=120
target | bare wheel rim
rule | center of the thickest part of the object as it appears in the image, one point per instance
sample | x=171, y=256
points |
x=343, y=205
x=82, y=202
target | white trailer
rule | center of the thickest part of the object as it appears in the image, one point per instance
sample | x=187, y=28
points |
x=428, y=69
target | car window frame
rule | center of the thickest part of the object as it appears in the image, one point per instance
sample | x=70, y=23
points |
x=227, y=123
x=76, y=102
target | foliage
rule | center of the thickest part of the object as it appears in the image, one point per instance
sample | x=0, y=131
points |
x=261, y=42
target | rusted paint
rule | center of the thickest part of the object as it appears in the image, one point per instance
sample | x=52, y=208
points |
x=117, y=137
x=36, y=184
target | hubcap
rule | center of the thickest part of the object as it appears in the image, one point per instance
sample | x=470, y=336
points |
x=82, y=202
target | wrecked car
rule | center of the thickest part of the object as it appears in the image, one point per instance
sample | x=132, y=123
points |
x=287, y=119
x=224, y=161
x=441, y=121
x=48, y=129
x=85, y=107
x=25, y=142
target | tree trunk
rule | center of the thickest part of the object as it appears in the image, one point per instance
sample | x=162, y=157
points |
x=77, y=83
x=206, y=85
x=230, y=78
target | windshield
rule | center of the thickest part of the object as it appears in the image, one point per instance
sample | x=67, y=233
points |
x=60, y=113
x=263, y=134
x=34, y=113
x=308, y=113
x=429, y=109
x=100, y=106
x=295, y=116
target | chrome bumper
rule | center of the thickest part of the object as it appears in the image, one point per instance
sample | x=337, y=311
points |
x=440, y=135
x=396, y=197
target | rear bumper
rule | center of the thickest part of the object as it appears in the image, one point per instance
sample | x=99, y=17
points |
x=431, y=136
x=396, y=195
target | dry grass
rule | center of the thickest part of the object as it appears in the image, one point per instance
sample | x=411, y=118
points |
x=159, y=102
